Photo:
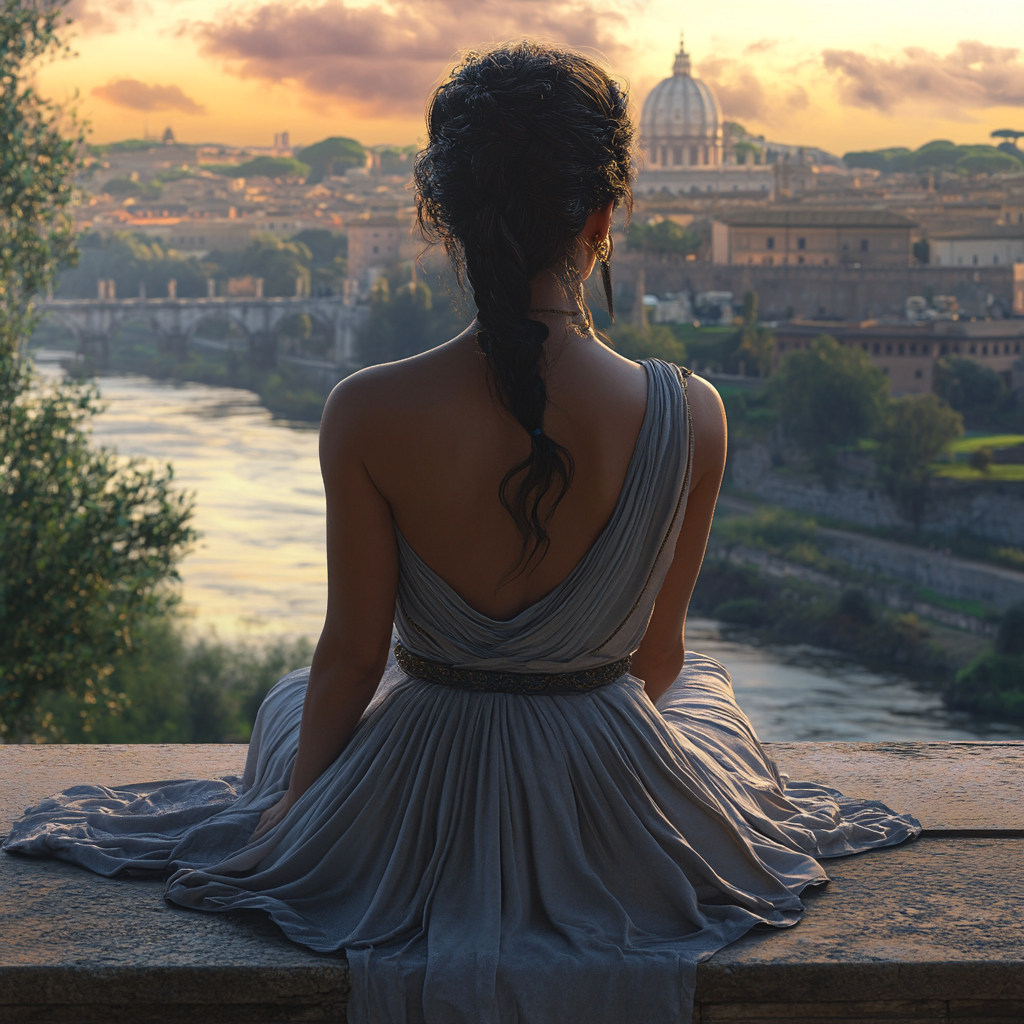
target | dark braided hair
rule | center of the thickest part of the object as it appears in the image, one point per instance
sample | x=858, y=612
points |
x=525, y=141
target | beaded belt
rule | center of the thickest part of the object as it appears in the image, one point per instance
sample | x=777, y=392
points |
x=487, y=681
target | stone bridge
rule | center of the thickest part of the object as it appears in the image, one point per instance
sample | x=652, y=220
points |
x=95, y=322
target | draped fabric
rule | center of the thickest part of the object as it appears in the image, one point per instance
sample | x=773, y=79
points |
x=491, y=858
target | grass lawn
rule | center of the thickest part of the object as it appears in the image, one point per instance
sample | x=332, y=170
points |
x=962, y=471
x=966, y=445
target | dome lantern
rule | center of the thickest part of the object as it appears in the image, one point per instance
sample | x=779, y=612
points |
x=681, y=122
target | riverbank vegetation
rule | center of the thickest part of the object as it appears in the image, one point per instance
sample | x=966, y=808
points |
x=799, y=593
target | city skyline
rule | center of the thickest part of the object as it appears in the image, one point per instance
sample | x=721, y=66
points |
x=864, y=76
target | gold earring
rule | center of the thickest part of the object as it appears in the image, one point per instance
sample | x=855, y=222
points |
x=603, y=252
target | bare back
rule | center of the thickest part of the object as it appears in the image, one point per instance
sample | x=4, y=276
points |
x=435, y=443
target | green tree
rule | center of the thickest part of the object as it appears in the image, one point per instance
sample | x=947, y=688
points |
x=277, y=260
x=657, y=342
x=973, y=390
x=85, y=541
x=265, y=167
x=918, y=428
x=755, y=343
x=332, y=156
x=404, y=320
x=662, y=238
x=133, y=261
x=828, y=396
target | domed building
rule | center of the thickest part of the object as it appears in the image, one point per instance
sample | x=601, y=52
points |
x=681, y=123
x=682, y=145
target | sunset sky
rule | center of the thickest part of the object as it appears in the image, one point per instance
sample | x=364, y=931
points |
x=859, y=74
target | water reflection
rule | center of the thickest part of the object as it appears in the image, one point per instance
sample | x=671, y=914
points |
x=806, y=693
x=259, y=568
x=260, y=565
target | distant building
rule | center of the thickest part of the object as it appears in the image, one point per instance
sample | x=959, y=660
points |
x=907, y=352
x=682, y=144
x=815, y=237
x=977, y=247
x=168, y=136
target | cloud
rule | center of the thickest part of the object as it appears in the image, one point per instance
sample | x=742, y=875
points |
x=95, y=16
x=136, y=95
x=383, y=60
x=973, y=75
x=761, y=46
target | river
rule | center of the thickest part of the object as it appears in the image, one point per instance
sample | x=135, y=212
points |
x=258, y=569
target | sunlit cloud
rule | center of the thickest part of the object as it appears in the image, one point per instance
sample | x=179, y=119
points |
x=90, y=16
x=378, y=59
x=135, y=95
x=973, y=75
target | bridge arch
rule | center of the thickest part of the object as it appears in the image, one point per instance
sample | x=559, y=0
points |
x=203, y=316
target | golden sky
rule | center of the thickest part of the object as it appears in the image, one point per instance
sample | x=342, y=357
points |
x=856, y=74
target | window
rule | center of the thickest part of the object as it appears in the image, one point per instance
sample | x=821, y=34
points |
x=770, y=242
x=902, y=350
x=974, y=260
x=824, y=262
x=877, y=349
x=694, y=155
x=913, y=350
x=1016, y=349
x=888, y=350
x=974, y=350
x=677, y=155
x=984, y=350
x=917, y=374
x=995, y=258
x=800, y=260
x=801, y=243
x=1020, y=218
x=864, y=345
x=376, y=249
x=863, y=245
x=944, y=350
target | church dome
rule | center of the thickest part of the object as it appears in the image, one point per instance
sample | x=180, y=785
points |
x=681, y=122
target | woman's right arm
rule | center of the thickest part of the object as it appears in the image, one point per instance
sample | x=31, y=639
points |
x=659, y=659
x=362, y=579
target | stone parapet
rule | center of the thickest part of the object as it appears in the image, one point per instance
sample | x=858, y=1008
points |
x=929, y=931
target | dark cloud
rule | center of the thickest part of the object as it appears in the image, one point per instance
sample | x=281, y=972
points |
x=385, y=59
x=973, y=75
x=136, y=95
x=94, y=16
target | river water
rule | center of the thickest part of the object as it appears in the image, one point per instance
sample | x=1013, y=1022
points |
x=258, y=570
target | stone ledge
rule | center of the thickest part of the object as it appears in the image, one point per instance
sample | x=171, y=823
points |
x=926, y=932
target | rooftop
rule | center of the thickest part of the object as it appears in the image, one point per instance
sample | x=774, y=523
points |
x=809, y=217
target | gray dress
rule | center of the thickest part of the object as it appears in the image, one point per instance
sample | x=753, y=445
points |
x=494, y=858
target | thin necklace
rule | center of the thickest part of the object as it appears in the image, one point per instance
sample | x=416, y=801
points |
x=580, y=330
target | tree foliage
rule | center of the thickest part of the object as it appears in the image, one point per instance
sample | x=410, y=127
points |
x=663, y=238
x=918, y=428
x=404, y=321
x=939, y=155
x=755, y=343
x=975, y=391
x=332, y=156
x=265, y=167
x=85, y=540
x=828, y=396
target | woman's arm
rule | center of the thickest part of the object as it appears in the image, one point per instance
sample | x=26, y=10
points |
x=659, y=658
x=362, y=578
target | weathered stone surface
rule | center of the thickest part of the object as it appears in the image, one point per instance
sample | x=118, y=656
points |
x=29, y=773
x=929, y=931
x=959, y=787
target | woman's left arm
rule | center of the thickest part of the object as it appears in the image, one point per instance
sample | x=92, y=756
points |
x=362, y=580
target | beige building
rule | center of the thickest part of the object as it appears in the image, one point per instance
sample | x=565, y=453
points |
x=907, y=352
x=784, y=236
x=977, y=247
x=377, y=241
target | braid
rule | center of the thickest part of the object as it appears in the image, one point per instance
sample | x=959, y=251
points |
x=525, y=141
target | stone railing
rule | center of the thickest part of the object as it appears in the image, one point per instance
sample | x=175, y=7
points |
x=930, y=931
